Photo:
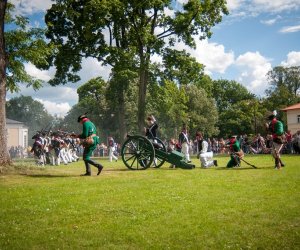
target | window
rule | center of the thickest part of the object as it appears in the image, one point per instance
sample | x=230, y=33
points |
x=298, y=118
x=25, y=141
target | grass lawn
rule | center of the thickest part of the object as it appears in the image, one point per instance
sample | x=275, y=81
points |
x=217, y=208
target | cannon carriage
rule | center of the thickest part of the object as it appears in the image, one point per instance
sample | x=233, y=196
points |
x=139, y=153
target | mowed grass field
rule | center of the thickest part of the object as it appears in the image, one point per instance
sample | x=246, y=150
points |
x=217, y=208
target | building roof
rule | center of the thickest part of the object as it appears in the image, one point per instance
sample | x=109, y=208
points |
x=10, y=121
x=15, y=123
x=295, y=106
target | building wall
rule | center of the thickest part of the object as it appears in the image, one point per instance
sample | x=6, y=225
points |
x=293, y=120
x=17, y=135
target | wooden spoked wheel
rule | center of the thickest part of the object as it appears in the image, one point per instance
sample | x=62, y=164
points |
x=137, y=153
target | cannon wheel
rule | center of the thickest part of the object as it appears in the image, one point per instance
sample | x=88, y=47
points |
x=137, y=153
x=158, y=162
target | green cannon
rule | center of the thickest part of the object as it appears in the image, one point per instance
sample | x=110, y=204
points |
x=139, y=153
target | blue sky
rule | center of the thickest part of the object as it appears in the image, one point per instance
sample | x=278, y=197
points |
x=256, y=36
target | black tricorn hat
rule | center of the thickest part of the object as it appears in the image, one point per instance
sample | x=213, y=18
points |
x=272, y=115
x=81, y=117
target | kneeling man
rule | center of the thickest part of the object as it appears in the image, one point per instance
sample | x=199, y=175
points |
x=206, y=158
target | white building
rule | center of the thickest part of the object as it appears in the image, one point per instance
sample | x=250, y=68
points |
x=17, y=133
x=293, y=117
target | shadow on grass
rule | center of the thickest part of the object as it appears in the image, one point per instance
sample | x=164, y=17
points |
x=50, y=175
x=116, y=169
x=240, y=168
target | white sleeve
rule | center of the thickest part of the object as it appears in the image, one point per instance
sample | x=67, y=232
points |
x=204, y=147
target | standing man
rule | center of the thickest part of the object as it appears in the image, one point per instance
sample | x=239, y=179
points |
x=235, y=152
x=111, y=149
x=276, y=128
x=206, y=158
x=184, y=143
x=90, y=143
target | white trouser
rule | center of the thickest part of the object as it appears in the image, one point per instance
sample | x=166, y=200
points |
x=206, y=159
x=276, y=149
x=62, y=155
x=185, y=151
x=111, y=154
x=74, y=155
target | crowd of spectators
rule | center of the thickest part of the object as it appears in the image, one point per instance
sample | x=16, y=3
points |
x=254, y=144
x=251, y=144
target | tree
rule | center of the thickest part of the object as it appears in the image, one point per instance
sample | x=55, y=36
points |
x=227, y=93
x=136, y=30
x=4, y=156
x=121, y=87
x=243, y=117
x=31, y=112
x=234, y=115
x=168, y=103
x=202, y=111
x=285, y=76
x=92, y=100
x=284, y=87
x=18, y=45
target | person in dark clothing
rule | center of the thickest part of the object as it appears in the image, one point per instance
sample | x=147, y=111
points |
x=150, y=131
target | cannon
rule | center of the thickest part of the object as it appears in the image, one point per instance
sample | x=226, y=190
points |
x=139, y=153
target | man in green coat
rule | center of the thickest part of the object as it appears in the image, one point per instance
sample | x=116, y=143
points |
x=276, y=128
x=236, y=152
x=90, y=141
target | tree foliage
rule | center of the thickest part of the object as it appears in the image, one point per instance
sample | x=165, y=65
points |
x=284, y=87
x=114, y=30
x=24, y=44
x=227, y=93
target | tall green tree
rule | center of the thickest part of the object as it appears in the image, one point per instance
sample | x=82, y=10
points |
x=243, y=117
x=202, y=111
x=19, y=44
x=136, y=29
x=4, y=156
x=121, y=89
x=168, y=103
x=285, y=76
x=284, y=87
x=92, y=100
x=227, y=93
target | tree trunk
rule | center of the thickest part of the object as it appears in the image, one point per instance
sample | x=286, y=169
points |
x=121, y=117
x=4, y=155
x=143, y=81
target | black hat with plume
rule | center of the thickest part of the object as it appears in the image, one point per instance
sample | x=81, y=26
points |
x=82, y=117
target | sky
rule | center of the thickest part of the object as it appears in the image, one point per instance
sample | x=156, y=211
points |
x=256, y=36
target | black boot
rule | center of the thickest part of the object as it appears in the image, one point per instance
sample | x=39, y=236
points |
x=97, y=165
x=87, y=169
x=277, y=163
x=281, y=163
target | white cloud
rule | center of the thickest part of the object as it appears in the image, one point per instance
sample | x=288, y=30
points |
x=271, y=21
x=275, y=5
x=212, y=55
x=290, y=29
x=293, y=59
x=182, y=1
x=92, y=68
x=44, y=75
x=28, y=7
x=254, y=68
x=169, y=12
x=233, y=4
x=59, y=109
x=59, y=99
